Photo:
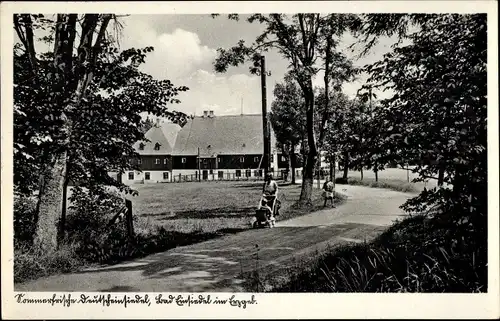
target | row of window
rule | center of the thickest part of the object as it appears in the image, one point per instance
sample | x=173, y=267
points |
x=147, y=175
x=183, y=160
x=157, y=146
x=220, y=174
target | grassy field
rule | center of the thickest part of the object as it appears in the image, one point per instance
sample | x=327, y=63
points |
x=210, y=206
x=392, y=178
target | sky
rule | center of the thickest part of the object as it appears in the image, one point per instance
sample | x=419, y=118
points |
x=185, y=47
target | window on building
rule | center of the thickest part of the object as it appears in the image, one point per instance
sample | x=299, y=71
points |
x=242, y=159
x=139, y=161
x=130, y=175
x=248, y=173
x=157, y=161
x=157, y=146
x=165, y=175
x=147, y=175
x=183, y=160
x=283, y=158
x=141, y=146
x=211, y=171
x=238, y=173
x=272, y=158
x=204, y=160
x=256, y=159
x=220, y=175
x=165, y=160
x=219, y=159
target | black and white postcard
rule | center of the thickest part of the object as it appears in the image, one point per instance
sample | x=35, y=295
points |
x=241, y=159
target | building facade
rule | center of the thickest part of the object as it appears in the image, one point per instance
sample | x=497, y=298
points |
x=208, y=147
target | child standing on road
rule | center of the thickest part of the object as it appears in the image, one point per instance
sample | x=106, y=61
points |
x=328, y=192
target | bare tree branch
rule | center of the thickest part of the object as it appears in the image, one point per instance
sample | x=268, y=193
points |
x=27, y=38
x=19, y=31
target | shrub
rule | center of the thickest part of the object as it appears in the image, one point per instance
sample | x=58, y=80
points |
x=24, y=219
x=87, y=224
x=418, y=254
x=31, y=264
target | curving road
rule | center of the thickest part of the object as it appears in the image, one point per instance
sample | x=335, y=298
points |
x=215, y=265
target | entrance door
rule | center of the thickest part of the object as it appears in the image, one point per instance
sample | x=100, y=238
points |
x=205, y=174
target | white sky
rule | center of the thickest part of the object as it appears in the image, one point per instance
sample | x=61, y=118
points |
x=185, y=49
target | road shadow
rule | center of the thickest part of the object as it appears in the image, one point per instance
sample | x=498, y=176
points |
x=217, y=265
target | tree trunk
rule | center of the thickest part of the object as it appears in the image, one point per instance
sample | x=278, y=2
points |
x=62, y=221
x=307, y=181
x=361, y=171
x=292, y=163
x=346, y=165
x=334, y=173
x=289, y=163
x=51, y=204
x=441, y=175
x=332, y=167
x=71, y=84
x=376, y=175
x=308, y=175
x=318, y=166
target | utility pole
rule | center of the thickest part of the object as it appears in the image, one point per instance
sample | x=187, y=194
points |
x=265, y=125
x=198, y=161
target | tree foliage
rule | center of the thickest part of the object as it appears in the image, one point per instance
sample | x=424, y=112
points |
x=304, y=40
x=437, y=116
x=78, y=106
x=287, y=117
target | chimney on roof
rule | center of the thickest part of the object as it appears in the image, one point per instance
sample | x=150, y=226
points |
x=211, y=113
x=205, y=113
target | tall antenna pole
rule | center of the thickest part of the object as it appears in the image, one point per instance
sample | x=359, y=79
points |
x=198, y=161
x=265, y=125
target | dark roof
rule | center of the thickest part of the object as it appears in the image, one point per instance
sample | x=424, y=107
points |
x=165, y=135
x=219, y=135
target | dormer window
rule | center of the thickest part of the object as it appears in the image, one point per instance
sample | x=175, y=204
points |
x=157, y=146
x=141, y=146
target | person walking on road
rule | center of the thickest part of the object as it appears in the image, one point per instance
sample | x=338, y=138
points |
x=271, y=191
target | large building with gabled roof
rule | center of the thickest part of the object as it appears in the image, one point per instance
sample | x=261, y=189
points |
x=208, y=147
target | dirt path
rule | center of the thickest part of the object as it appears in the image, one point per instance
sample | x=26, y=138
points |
x=215, y=265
